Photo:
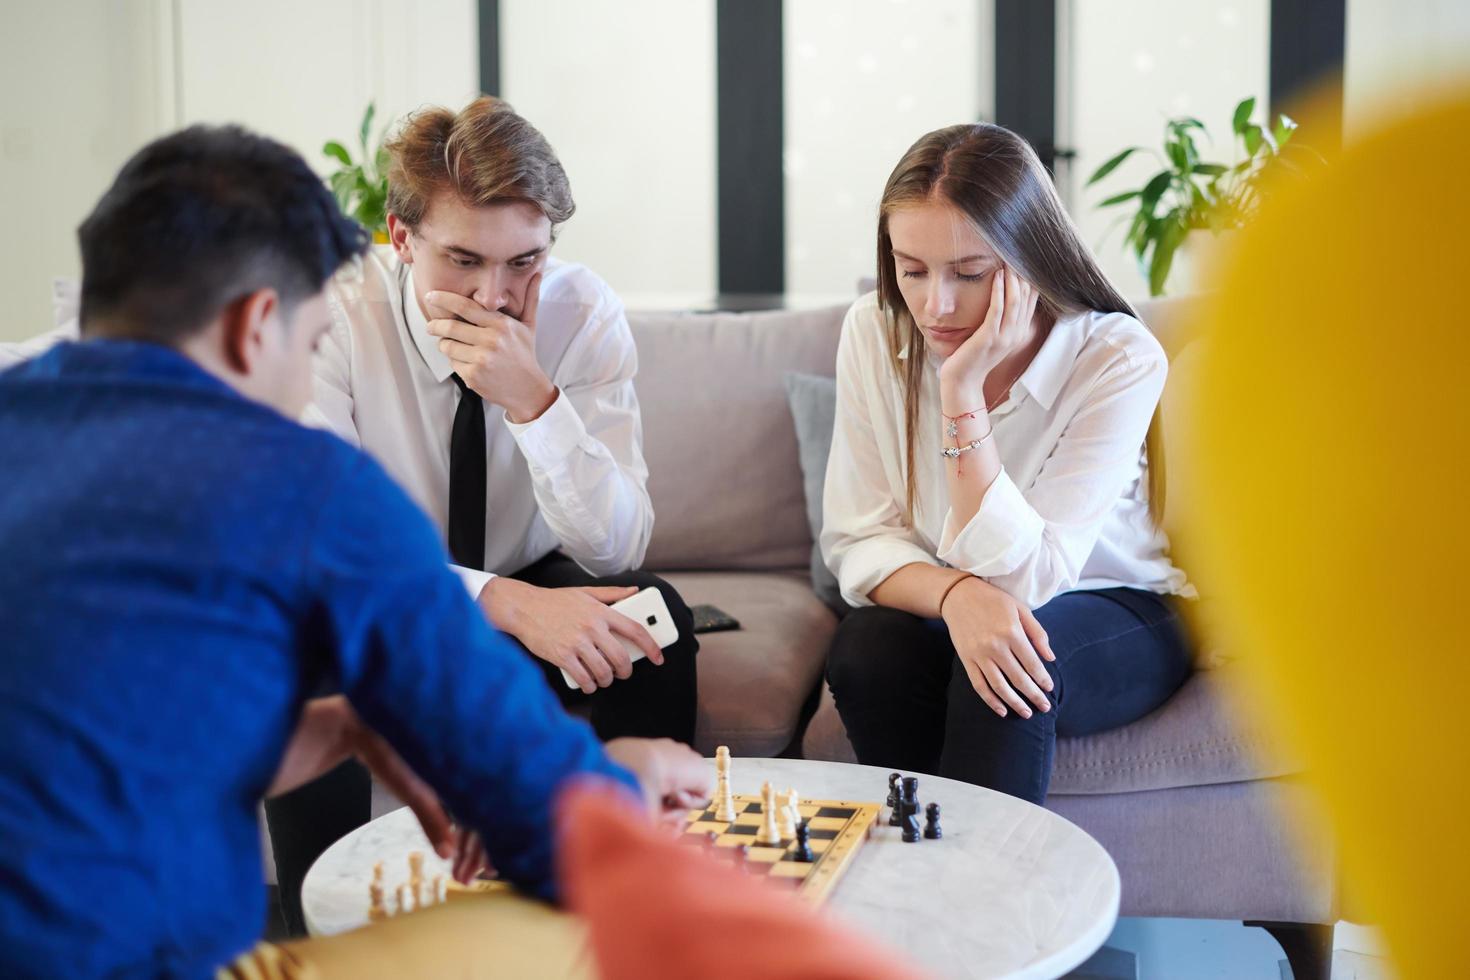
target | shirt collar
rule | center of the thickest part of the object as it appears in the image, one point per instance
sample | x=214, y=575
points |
x=418, y=328
x=1052, y=365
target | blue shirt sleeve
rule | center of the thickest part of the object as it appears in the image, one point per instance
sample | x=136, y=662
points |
x=419, y=662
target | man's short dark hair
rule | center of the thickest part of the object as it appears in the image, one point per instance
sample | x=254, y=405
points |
x=199, y=219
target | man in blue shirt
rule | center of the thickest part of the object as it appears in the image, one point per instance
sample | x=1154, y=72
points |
x=184, y=566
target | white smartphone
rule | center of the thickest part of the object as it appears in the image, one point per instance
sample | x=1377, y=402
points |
x=647, y=609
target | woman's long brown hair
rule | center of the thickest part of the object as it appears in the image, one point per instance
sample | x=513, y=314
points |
x=994, y=178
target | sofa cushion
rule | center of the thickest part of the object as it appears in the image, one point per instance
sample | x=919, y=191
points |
x=753, y=681
x=1194, y=739
x=814, y=411
x=717, y=435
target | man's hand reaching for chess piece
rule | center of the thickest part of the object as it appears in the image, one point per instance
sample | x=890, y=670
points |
x=328, y=733
x=675, y=780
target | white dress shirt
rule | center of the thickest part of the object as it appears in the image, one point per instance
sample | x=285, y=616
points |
x=572, y=479
x=1069, y=509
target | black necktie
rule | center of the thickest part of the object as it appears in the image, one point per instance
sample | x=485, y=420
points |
x=467, y=480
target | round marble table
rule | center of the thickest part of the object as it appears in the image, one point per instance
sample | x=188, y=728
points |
x=1012, y=890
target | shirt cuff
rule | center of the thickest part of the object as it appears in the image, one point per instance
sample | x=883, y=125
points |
x=1003, y=532
x=869, y=562
x=474, y=580
x=548, y=440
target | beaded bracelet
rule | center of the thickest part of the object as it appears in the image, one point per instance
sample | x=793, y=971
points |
x=953, y=452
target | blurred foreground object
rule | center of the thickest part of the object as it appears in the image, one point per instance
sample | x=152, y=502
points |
x=1334, y=512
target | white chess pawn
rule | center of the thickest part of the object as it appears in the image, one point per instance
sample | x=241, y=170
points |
x=376, y=909
x=770, y=833
x=785, y=825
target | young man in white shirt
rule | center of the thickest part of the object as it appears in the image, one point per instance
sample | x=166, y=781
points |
x=495, y=384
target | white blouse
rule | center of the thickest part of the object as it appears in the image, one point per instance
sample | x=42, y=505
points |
x=1069, y=509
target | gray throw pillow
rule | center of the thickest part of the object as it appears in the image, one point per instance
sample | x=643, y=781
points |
x=813, y=403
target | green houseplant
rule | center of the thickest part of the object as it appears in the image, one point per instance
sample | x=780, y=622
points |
x=1192, y=195
x=361, y=187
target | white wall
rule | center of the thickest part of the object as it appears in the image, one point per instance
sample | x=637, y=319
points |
x=1135, y=64
x=1399, y=54
x=625, y=92
x=303, y=72
x=78, y=94
x=864, y=80
x=83, y=85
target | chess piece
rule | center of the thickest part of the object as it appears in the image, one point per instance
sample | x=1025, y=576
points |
x=741, y=855
x=785, y=826
x=438, y=893
x=376, y=909
x=895, y=797
x=769, y=833
x=931, y=824
x=724, y=797
x=794, y=801
x=709, y=839
x=908, y=806
x=401, y=894
x=803, y=850
x=416, y=877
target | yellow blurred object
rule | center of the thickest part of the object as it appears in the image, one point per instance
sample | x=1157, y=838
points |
x=493, y=935
x=1332, y=420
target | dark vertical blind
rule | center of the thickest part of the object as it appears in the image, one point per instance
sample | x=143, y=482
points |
x=751, y=189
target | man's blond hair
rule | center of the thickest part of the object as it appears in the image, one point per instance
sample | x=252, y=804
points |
x=484, y=154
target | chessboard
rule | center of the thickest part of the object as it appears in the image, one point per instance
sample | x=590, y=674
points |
x=837, y=830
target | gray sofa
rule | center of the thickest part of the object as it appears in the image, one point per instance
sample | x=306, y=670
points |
x=1190, y=800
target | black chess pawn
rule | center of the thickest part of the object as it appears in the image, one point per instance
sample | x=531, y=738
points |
x=803, y=848
x=895, y=818
x=931, y=823
x=908, y=808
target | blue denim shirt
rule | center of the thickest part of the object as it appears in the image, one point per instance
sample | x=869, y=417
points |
x=179, y=568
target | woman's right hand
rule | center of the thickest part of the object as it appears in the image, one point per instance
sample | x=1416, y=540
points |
x=1001, y=645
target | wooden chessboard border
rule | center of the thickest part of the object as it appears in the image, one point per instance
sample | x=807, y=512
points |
x=833, y=860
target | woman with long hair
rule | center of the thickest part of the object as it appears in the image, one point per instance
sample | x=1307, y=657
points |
x=988, y=497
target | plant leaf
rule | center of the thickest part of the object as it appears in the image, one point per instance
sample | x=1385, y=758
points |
x=367, y=126
x=1178, y=155
x=1254, y=139
x=1285, y=126
x=1209, y=169
x=1163, y=258
x=343, y=183
x=1148, y=198
x=337, y=152
x=1110, y=165
x=1242, y=115
x=1118, y=199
